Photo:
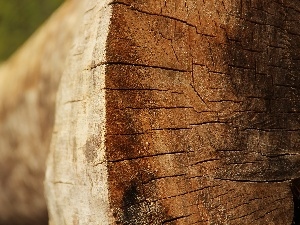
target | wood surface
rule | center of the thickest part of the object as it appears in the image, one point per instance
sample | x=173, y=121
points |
x=202, y=109
x=178, y=112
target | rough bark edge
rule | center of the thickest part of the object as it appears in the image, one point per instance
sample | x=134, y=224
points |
x=76, y=176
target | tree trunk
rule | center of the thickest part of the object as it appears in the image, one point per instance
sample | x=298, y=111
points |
x=28, y=86
x=178, y=112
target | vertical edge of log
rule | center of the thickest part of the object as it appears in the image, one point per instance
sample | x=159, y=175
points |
x=76, y=175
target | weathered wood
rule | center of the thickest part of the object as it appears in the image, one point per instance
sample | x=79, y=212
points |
x=28, y=85
x=76, y=176
x=178, y=112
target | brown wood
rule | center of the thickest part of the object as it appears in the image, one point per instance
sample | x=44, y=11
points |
x=203, y=111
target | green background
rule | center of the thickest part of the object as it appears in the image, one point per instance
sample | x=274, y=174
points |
x=19, y=19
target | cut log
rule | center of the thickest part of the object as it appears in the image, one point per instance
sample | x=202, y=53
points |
x=28, y=86
x=178, y=112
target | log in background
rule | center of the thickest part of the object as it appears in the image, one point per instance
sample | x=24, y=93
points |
x=28, y=86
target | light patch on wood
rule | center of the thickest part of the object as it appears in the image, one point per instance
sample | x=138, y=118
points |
x=92, y=147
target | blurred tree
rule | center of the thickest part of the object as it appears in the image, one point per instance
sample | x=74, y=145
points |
x=19, y=19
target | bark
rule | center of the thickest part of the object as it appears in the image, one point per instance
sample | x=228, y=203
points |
x=178, y=112
x=28, y=85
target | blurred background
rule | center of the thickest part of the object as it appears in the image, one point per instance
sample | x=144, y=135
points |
x=19, y=19
x=28, y=85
